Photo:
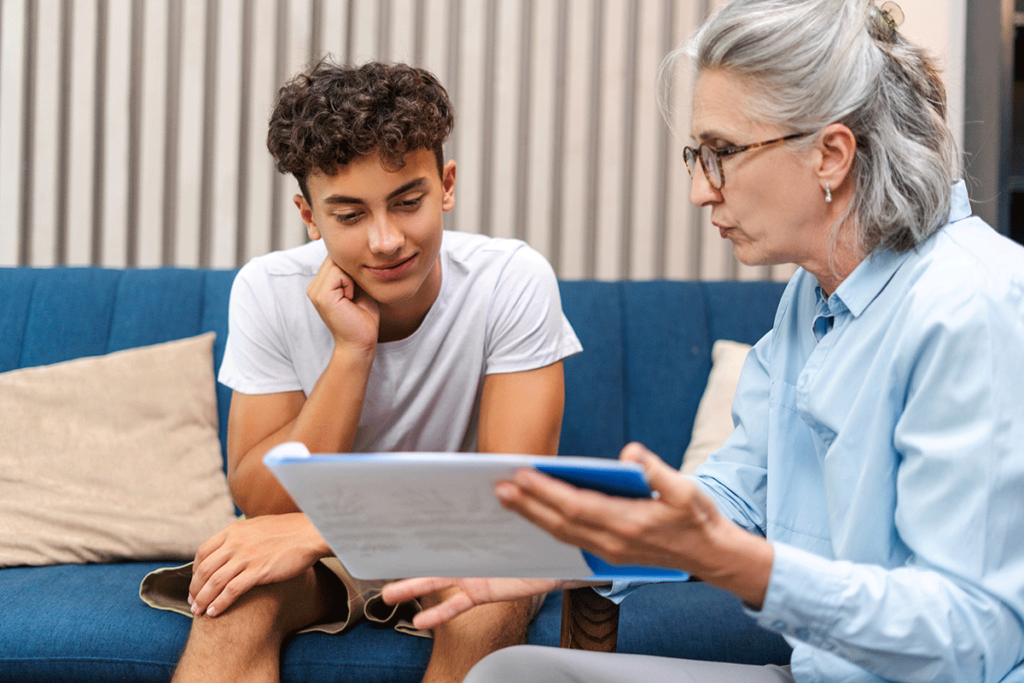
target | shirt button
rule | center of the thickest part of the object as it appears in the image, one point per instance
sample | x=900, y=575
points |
x=779, y=625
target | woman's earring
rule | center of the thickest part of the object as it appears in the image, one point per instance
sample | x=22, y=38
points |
x=828, y=194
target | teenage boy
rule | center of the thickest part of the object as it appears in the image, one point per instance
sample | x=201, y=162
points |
x=385, y=333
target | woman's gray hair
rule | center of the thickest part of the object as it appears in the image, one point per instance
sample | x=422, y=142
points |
x=810, y=63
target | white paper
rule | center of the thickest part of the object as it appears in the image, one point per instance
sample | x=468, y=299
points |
x=402, y=515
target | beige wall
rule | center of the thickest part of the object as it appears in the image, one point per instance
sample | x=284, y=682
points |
x=131, y=131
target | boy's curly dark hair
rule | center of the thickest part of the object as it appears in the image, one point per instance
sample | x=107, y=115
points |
x=331, y=115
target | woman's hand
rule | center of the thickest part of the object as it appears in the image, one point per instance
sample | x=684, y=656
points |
x=252, y=552
x=470, y=593
x=680, y=528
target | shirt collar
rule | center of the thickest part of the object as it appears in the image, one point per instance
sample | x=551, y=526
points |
x=871, y=276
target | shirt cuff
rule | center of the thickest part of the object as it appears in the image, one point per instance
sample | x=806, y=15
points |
x=617, y=591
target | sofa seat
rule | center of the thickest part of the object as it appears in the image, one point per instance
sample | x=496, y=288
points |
x=87, y=623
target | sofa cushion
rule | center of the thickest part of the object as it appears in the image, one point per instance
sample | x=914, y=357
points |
x=713, y=423
x=112, y=457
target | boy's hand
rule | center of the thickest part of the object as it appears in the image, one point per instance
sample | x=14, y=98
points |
x=350, y=315
x=252, y=552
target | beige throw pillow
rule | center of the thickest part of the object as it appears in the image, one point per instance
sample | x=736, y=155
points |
x=713, y=422
x=111, y=458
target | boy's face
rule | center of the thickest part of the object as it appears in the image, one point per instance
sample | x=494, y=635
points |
x=383, y=228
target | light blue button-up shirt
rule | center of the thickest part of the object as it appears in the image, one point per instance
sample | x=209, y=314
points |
x=879, y=446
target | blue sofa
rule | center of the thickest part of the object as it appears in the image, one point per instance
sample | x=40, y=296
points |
x=644, y=368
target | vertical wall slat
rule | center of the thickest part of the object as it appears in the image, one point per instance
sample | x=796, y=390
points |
x=99, y=102
x=245, y=117
x=191, y=65
x=520, y=189
x=153, y=127
x=487, y=86
x=136, y=66
x=45, y=137
x=502, y=146
x=471, y=130
x=63, y=132
x=576, y=256
x=115, y=125
x=291, y=230
x=172, y=103
x=227, y=123
x=261, y=63
x=608, y=199
x=402, y=28
x=211, y=95
x=663, y=147
x=12, y=88
x=629, y=142
x=595, y=149
x=558, y=108
x=363, y=31
x=82, y=92
x=28, y=139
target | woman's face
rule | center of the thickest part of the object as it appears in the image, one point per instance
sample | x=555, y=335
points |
x=771, y=205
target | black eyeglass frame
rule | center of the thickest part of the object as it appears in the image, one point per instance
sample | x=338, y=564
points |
x=691, y=155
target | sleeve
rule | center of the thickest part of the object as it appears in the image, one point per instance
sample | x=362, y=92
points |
x=256, y=355
x=526, y=328
x=954, y=611
x=736, y=475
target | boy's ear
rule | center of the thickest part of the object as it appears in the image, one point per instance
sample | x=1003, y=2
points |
x=448, y=186
x=838, y=147
x=306, y=211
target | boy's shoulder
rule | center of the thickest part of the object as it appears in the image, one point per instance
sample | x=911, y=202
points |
x=301, y=261
x=473, y=252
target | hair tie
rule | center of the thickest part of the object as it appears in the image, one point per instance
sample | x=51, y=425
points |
x=888, y=18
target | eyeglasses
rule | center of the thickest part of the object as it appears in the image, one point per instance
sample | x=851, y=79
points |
x=711, y=158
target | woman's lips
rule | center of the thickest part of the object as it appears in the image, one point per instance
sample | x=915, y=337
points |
x=393, y=271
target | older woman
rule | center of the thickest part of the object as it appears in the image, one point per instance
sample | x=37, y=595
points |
x=868, y=505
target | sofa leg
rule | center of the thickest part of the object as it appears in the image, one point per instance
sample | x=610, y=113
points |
x=589, y=621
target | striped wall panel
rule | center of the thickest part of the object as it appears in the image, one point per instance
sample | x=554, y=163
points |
x=132, y=131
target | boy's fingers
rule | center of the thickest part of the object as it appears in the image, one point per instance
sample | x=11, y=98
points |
x=442, y=612
x=408, y=589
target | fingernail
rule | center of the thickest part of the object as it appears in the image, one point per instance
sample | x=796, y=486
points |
x=504, y=491
x=211, y=612
x=195, y=609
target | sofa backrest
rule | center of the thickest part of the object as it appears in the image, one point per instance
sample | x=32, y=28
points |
x=647, y=356
x=646, y=359
x=50, y=315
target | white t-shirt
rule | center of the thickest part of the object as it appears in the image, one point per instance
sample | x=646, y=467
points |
x=498, y=311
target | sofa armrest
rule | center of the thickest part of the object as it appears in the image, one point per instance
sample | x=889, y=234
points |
x=589, y=621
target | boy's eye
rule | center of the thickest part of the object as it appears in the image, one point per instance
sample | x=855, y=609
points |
x=409, y=203
x=347, y=217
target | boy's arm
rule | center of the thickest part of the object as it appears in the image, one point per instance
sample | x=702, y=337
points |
x=325, y=422
x=521, y=412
